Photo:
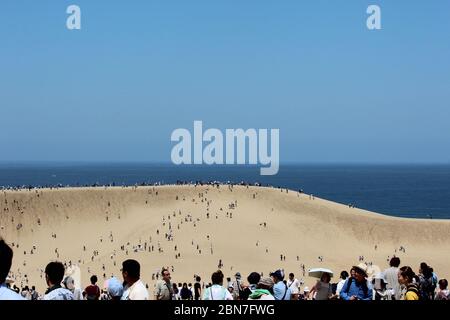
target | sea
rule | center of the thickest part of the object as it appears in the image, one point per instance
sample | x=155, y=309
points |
x=414, y=191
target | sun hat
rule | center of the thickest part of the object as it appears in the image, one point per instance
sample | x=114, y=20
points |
x=306, y=289
x=362, y=268
x=266, y=281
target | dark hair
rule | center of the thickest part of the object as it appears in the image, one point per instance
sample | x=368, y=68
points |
x=407, y=273
x=217, y=277
x=185, y=285
x=253, y=278
x=94, y=279
x=327, y=275
x=6, y=255
x=132, y=267
x=291, y=274
x=55, y=272
x=443, y=284
x=344, y=275
x=395, y=262
x=198, y=279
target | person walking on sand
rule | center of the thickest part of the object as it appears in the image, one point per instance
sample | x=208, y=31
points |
x=134, y=288
x=391, y=276
x=6, y=256
x=54, y=274
x=216, y=291
x=164, y=288
x=357, y=287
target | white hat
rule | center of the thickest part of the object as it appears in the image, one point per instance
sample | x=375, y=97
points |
x=305, y=289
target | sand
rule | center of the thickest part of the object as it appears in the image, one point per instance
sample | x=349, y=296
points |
x=297, y=225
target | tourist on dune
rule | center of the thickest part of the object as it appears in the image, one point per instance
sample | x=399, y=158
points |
x=216, y=291
x=391, y=277
x=293, y=284
x=134, y=288
x=408, y=280
x=340, y=285
x=54, y=274
x=164, y=288
x=322, y=290
x=114, y=289
x=262, y=291
x=357, y=287
x=69, y=284
x=280, y=289
x=427, y=282
x=92, y=291
x=443, y=293
x=6, y=256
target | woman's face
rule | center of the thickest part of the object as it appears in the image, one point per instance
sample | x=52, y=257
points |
x=352, y=273
x=402, y=280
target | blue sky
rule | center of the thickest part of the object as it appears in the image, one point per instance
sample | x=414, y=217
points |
x=137, y=70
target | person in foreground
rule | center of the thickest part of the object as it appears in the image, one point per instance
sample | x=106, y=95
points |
x=54, y=274
x=134, y=288
x=357, y=287
x=262, y=291
x=6, y=255
x=408, y=280
x=217, y=291
x=280, y=289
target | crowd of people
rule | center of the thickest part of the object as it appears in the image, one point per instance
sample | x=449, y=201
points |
x=394, y=283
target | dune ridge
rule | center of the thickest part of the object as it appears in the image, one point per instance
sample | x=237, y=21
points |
x=298, y=226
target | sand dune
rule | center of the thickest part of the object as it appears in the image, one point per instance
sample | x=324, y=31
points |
x=105, y=219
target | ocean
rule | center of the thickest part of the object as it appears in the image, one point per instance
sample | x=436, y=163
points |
x=415, y=191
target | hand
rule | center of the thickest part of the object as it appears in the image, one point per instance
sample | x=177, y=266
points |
x=353, y=298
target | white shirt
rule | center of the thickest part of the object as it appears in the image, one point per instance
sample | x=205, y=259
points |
x=339, y=287
x=137, y=291
x=8, y=294
x=293, y=285
x=216, y=292
x=59, y=294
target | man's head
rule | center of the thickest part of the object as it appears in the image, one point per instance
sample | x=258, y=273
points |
x=54, y=273
x=277, y=276
x=131, y=271
x=6, y=255
x=94, y=280
x=165, y=275
x=291, y=276
x=217, y=277
x=265, y=283
x=198, y=279
x=253, y=278
x=395, y=262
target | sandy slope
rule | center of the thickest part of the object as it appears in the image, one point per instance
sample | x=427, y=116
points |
x=296, y=226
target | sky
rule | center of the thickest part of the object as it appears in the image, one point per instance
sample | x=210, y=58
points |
x=137, y=70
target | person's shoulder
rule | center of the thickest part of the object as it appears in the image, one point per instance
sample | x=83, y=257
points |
x=8, y=294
